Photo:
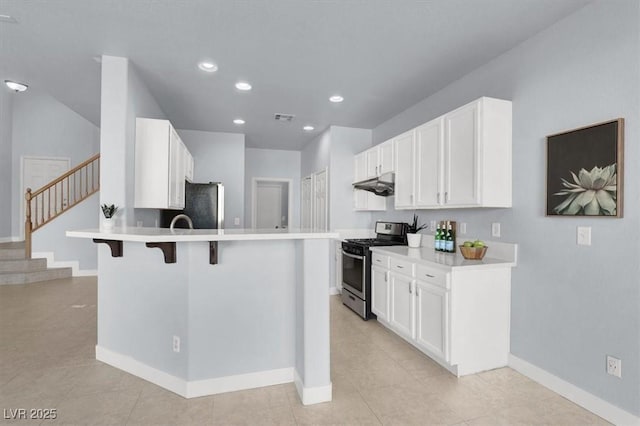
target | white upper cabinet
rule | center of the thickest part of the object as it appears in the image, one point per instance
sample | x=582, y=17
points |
x=404, y=168
x=462, y=159
x=365, y=166
x=429, y=148
x=385, y=157
x=161, y=165
x=360, y=167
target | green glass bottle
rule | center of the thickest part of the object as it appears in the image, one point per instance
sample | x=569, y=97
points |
x=449, y=244
x=438, y=239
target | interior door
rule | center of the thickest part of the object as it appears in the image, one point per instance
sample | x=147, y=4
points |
x=320, y=206
x=36, y=173
x=307, y=202
x=268, y=205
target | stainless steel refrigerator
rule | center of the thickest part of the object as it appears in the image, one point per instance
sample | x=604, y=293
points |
x=203, y=203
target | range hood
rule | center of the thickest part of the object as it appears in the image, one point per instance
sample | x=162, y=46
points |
x=383, y=185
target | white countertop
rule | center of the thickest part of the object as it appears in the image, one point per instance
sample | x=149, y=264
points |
x=156, y=235
x=430, y=257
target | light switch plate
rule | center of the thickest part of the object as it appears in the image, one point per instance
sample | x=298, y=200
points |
x=236, y=221
x=432, y=225
x=462, y=228
x=584, y=235
x=495, y=229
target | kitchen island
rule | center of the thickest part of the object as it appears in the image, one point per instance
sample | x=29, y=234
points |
x=201, y=312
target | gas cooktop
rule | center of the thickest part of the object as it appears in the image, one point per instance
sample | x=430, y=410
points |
x=375, y=242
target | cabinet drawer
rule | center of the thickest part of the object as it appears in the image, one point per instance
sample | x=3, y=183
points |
x=431, y=275
x=380, y=260
x=402, y=266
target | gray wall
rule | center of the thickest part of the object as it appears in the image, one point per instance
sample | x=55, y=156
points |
x=571, y=305
x=5, y=162
x=124, y=97
x=219, y=157
x=42, y=126
x=272, y=163
x=315, y=155
x=345, y=143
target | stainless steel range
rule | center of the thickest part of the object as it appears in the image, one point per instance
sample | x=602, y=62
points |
x=356, y=265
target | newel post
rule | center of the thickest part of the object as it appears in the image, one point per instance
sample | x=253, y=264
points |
x=27, y=225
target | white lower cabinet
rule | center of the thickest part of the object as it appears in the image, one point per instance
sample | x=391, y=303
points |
x=380, y=292
x=432, y=313
x=402, y=312
x=460, y=317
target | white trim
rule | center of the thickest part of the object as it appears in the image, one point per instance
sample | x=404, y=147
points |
x=195, y=388
x=334, y=290
x=73, y=264
x=23, y=189
x=315, y=395
x=239, y=382
x=586, y=400
x=254, y=189
x=135, y=367
x=10, y=239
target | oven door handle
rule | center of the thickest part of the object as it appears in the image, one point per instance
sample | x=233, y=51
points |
x=353, y=256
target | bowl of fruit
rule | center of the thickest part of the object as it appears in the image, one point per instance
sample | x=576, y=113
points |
x=473, y=250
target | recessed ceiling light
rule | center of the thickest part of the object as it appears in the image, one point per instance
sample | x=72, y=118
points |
x=243, y=85
x=336, y=98
x=208, y=66
x=238, y=121
x=308, y=128
x=18, y=87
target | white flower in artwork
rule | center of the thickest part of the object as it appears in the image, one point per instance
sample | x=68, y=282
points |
x=592, y=193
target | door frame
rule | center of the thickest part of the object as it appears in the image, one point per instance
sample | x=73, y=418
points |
x=254, y=196
x=22, y=189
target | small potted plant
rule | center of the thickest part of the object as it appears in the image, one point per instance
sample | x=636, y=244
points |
x=108, y=211
x=413, y=238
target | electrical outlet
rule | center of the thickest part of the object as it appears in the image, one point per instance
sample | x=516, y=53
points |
x=176, y=344
x=495, y=229
x=462, y=228
x=236, y=221
x=614, y=366
x=583, y=236
x=432, y=225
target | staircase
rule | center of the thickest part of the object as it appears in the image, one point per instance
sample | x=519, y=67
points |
x=16, y=268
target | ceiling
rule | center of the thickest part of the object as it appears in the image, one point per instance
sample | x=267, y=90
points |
x=382, y=56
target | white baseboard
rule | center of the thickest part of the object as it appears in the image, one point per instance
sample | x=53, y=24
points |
x=197, y=388
x=588, y=401
x=137, y=368
x=73, y=264
x=315, y=395
x=239, y=382
x=334, y=290
x=10, y=239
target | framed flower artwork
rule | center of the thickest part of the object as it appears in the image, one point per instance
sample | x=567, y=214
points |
x=585, y=171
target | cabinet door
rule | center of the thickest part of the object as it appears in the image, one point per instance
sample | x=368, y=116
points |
x=338, y=259
x=360, y=167
x=429, y=150
x=401, y=315
x=385, y=157
x=432, y=318
x=176, y=171
x=403, y=147
x=380, y=293
x=188, y=163
x=372, y=163
x=461, y=156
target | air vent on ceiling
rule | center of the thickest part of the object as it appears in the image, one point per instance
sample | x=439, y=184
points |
x=286, y=118
x=8, y=19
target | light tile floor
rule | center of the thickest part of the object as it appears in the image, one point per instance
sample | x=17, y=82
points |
x=48, y=335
